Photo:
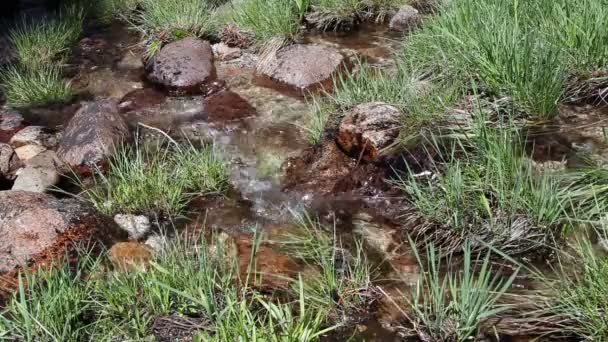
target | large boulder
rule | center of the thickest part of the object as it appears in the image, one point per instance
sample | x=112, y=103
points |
x=368, y=129
x=183, y=67
x=405, y=19
x=303, y=67
x=92, y=134
x=36, y=226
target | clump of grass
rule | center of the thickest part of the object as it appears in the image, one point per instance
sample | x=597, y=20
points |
x=162, y=21
x=148, y=178
x=483, y=189
x=582, y=290
x=314, y=127
x=330, y=14
x=344, y=279
x=24, y=87
x=270, y=19
x=40, y=43
x=454, y=306
x=50, y=304
x=586, y=190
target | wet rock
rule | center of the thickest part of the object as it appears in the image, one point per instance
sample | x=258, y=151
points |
x=136, y=225
x=130, y=61
x=405, y=19
x=92, y=134
x=127, y=256
x=9, y=161
x=139, y=99
x=227, y=106
x=183, y=67
x=35, y=135
x=368, y=129
x=10, y=123
x=223, y=52
x=29, y=151
x=303, y=67
x=34, y=225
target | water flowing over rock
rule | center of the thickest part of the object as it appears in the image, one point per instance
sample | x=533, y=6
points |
x=92, y=134
x=303, y=67
x=183, y=67
x=405, y=19
x=34, y=225
x=368, y=129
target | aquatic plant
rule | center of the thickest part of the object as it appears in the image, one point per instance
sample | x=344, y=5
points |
x=147, y=178
x=25, y=87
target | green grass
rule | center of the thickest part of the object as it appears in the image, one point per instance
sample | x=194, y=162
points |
x=148, y=178
x=582, y=289
x=453, y=305
x=342, y=280
x=25, y=87
x=190, y=278
x=483, y=188
x=162, y=21
x=40, y=43
x=270, y=19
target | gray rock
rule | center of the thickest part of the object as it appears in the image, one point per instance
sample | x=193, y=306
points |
x=303, y=67
x=38, y=225
x=183, y=67
x=35, y=135
x=9, y=161
x=368, y=129
x=92, y=134
x=405, y=19
x=136, y=225
x=35, y=179
x=157, y=243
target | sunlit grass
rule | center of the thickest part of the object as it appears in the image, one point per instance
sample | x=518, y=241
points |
x=25, y=87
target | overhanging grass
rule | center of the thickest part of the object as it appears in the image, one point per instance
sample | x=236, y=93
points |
x=42, y=42
x=270, y=19
x=25, y=87
x=147, y=178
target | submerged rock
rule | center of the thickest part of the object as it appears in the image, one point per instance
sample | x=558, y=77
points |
x=136, y=225
x=303, y=67
x=223, y=52
x=126, y=256
x=405, y=19
x=92, y=134
x=368, y=129
x=183, y=67
x=34, y=225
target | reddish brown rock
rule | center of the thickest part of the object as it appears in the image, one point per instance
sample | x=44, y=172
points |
x=368, y=129
x=10, y=123
x=32, y=224
x=9, y=162
x=92, y=134
x=183, y=67
x=302, y=67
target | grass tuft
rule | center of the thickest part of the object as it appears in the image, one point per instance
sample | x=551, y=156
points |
x=148, y=178
x=270, y=19
x=25, y=87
